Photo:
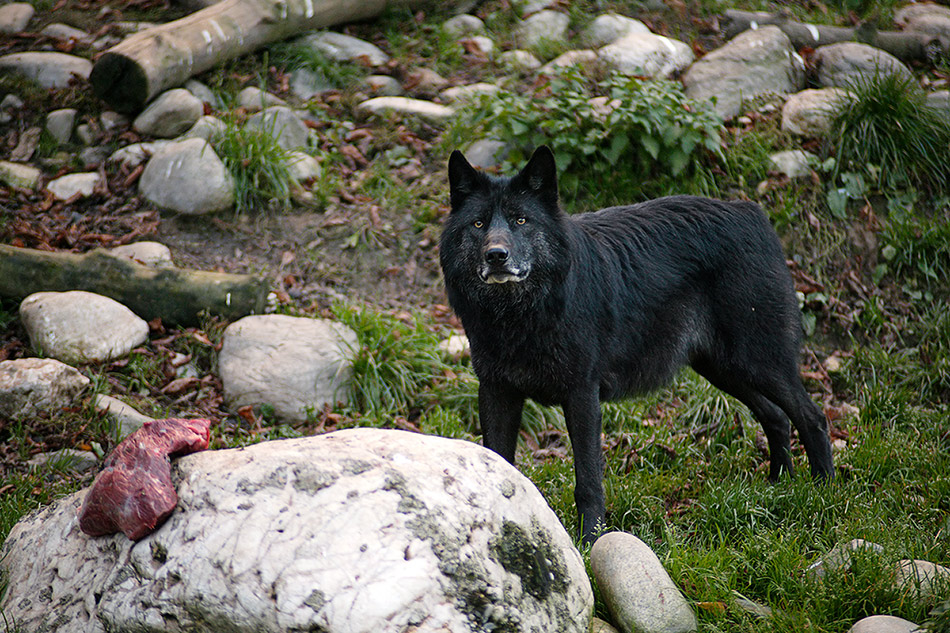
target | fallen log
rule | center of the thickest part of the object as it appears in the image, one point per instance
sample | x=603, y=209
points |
x=178, y=296
x=904, y=45
x=146, y=63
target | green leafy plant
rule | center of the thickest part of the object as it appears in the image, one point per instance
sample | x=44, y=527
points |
x=887, y=132
x=643, y=128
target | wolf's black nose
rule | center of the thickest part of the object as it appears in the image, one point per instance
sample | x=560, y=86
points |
x=496, y=255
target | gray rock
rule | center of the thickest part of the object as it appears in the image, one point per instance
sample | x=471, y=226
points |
x=204, y=93
x=754, y=63
x=840, y=556
x=113, y=120
x=528, y=7
x=290, y=363
x=303, y=166
x=809, y=112
x=67, y=459
x=647, y=54
x=171, y=113
x=65, y=187
x=599, y=626
x=15, y=16
x=935, y=24
x=86, y=133
x=343, y=48
x=353, y=531
x=81, y=327
x=19, y=175
x=254, y=99
x=462, y=25
x=11, y=102
x=846, y=63
x=146, y=253
x=911, y=11
x=939, y=100
x=794, y=163
x=283, y=125
x=383, y=86
x=468, y=92
x=485, y=153
x=64, y=32
x=519, y=60
x=187, y=177
x=306, y=84
x=92, y=157
x=32, y=386
x=610, y=27
x=425, y=81
x=921, y=579
x=640, y=595
x=49, y=70
x=137, y=153
x=432, y=112
x=207, y=127
x=480, y=45
x=579, y=57
x=883, y=624
x=543, y=26
x=126, y=419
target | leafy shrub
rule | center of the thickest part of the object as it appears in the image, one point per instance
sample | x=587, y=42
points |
x=645, y=127
x=888, y=132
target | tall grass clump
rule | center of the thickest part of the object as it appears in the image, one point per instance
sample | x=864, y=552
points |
x=617, y=133
x=887, y=131
x=258, y=165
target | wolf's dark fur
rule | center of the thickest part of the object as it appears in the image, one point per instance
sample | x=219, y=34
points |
x=576, y=310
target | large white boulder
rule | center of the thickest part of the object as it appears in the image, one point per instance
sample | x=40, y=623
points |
x=357, y=531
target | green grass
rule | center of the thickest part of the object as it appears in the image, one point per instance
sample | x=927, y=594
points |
x=888, y=133
x=258, y=166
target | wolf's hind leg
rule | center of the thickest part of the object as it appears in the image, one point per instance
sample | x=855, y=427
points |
x=773, y=420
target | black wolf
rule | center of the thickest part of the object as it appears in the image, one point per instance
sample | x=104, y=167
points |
x=576, y=310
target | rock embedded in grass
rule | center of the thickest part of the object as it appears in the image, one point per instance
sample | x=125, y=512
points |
x=846, y=63
x=639, y=593
x=883, y=624
x=187, y=177
x=809, y=112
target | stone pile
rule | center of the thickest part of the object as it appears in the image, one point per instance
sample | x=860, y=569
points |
x=185, y=176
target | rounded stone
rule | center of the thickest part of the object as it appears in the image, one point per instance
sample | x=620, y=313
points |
x=883, y=624
x=172, y=113
x=291, y=363
x=809, y=112
x=187, y=177
x=640, y=595
x=49, y=70
x=81, y=327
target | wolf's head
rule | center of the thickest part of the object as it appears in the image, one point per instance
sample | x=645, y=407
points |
x=502, y=231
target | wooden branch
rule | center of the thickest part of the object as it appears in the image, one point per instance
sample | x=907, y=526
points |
x=146, y=63
x=176, y=295
x=905, y=45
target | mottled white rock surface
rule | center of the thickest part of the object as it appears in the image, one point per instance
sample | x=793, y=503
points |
x=647, y=54
x=810, y=112
x=883, y=624
x=357, y=531
x=290, y=363
x=65, y=187
x=81, y=327
x=145, y=253
x=30, y=386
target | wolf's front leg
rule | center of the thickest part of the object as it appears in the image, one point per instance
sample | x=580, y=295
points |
x=582, y=413
x=499, y=413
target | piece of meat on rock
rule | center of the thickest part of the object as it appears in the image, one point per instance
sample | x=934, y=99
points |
x=134, y=493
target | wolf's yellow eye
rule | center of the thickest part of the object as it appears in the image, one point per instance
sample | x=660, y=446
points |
x=479, y=224
x=521, y=220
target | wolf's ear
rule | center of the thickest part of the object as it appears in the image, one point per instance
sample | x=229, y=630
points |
x=540, y=175
x=463, y=179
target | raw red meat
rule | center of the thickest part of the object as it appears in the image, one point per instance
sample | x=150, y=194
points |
x=134, y=492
